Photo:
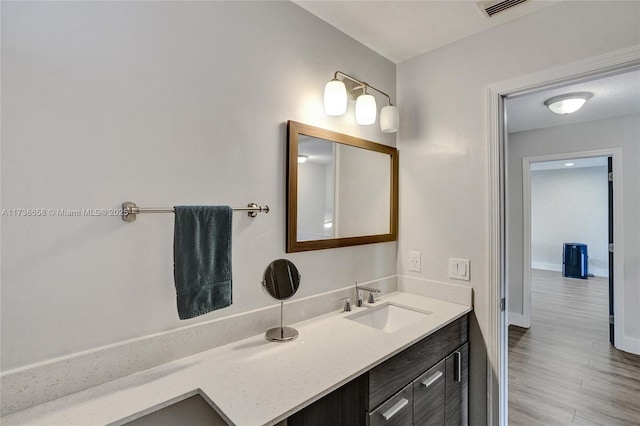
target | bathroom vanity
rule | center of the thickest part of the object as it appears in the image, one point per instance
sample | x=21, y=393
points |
x=425, y=384
x=344, y=368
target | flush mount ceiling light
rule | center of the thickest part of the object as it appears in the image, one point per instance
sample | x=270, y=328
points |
x=566, y=104
x=337, y=92
x=302, y=158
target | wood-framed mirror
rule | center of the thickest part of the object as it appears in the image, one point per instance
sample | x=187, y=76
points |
x=341, y=190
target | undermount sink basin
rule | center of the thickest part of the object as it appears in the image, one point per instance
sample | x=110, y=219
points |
x=388, y=317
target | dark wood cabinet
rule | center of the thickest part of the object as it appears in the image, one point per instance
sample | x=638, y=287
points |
x=344, y=406
x=457, y=387
x=394, y=374
x=425, y=384
x=429, y=397
x=395, y=411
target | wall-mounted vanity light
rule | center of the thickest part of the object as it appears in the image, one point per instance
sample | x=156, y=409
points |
x=337, y=92
x=566, y=104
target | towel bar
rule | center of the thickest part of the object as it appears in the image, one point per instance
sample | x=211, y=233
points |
x=130, y=210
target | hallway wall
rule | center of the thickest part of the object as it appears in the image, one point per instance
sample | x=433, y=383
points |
x=570, y=205
x=444, y=153
x=620, y=132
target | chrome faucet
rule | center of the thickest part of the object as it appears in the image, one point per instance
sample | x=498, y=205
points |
x=371, y=290
x=347, y=304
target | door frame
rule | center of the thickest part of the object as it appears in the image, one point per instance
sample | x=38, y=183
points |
x=618, y=262
x=497, y=390
x=611, y=240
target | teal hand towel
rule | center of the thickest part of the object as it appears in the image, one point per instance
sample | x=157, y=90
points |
x=202, y=259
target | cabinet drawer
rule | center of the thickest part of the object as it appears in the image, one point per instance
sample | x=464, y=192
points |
x=428, y=397
x=398, y=410
x=392, y=375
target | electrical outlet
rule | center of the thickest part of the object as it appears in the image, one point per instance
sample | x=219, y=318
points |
x=414, y=261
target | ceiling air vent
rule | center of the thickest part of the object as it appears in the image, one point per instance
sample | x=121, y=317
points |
x=490, y=8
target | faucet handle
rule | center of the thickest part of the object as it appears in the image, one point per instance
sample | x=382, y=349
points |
x=371, y=290
x=359, y=300
x=347, y=304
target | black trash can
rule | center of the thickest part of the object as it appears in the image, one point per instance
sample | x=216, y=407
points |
x=575, y=261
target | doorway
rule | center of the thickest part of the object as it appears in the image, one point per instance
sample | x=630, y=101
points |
x=566, y=198
x=614, y=62
x=567, y=350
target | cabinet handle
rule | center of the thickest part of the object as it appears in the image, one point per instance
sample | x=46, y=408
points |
x=431, y=380
x=457, y=372
x=394, y=410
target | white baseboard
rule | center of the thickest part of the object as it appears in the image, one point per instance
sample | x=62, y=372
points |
x=547, y=266
x=518, y=320
x=628, y=344
x=599, y=272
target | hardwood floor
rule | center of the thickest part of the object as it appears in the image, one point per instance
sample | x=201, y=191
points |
x=562, y=370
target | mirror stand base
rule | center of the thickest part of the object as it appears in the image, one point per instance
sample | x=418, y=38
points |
x=281, y=334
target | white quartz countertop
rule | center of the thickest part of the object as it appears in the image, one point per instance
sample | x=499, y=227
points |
x=251, y=381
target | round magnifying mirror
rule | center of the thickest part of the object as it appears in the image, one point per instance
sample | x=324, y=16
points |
x=281, y=281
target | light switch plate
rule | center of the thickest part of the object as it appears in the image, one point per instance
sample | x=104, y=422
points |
x=459, y=269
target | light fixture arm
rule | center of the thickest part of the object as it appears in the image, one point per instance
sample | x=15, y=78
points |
x=363, y=85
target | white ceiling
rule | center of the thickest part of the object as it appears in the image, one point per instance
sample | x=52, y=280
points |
x=569, y=164
x=400, y=30
x=320, y=151
x=613, y=96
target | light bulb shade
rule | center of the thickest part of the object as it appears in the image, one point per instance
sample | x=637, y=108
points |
x=389, y=119
x=335, y=98
x=366, y=109
x=566, y=104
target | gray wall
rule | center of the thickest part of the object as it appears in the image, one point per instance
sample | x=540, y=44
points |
x=444, y=192
x=172, y=102
x=570, y=205
x=621, y=132
x=161, y=103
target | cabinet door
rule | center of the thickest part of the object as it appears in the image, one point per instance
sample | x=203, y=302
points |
x=428, y=397
x=344, y=406
x=396, y=411
x=457, y=387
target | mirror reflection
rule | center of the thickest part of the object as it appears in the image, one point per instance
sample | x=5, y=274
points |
x=335, y=181
x=342, y=190
x=316, y=186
